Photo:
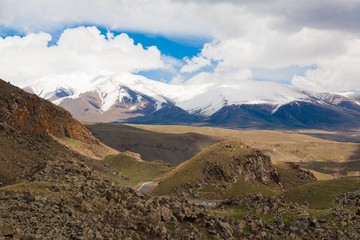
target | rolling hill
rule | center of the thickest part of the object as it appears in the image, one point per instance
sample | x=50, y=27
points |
x=230, y=168
x=176, y=144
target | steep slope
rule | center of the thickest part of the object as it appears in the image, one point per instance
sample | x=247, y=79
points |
x=34, y=116
x=31, y=130
x=227, y=169
x=106, y=97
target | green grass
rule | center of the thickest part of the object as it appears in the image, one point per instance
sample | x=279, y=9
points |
x=192, y=171
x=320, y=213
x=320, y=195
x=243, y=187
x=235, y=211
x=130, y=172
x=288, y=217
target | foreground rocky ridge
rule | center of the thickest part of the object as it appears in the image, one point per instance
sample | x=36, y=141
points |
x=81, y=205
x=69, y=200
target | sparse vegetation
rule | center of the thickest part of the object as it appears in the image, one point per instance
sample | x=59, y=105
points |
x=279, y=145
x=129, y=172
x=67, y=189
x=321, y=194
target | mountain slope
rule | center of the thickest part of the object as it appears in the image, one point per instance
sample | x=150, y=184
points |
x=132, y=98
x=34, y=116
x=31, y=130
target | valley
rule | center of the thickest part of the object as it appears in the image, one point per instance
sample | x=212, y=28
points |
x=179, y=120
x=121, y=181
x=169, y=142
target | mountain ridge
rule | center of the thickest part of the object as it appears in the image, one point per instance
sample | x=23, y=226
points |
x=131, y=98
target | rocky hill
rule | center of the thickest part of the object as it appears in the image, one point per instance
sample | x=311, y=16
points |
x=31, y=130
x=226, y=168
x=35, y=116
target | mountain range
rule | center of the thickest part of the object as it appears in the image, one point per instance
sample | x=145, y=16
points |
x=130, y=98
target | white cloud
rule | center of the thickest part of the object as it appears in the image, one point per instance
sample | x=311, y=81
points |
x=336, y=55
x=271, y=49
x=341, y=73
x=221, y=74
x=247, y=34
x=159, y=16
x=81, y=49
x=195, y=64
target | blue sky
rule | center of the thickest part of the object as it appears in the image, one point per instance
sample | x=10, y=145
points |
x=178, y=47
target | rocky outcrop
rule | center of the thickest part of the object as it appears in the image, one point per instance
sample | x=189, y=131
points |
x=303, y=176
x=75, y=203
x=349, y=199
x=252, y=167
x=273, y=218
x=35, y=116
x=34, y=131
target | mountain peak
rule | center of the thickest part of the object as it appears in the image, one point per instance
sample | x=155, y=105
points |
x=127, y=97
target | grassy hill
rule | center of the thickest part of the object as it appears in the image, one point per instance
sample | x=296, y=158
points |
x=321, y=194
x=230, y=168
x=131, y=172
x=175, y=144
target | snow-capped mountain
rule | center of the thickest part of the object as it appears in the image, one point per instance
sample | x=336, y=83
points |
x=128, y=97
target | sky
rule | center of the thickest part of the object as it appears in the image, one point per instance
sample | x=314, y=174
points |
x=309, y=44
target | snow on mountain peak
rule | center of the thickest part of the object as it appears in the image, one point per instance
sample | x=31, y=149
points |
x=204, y=98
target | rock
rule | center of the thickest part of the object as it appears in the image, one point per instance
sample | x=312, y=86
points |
x=225, y=230
x=166, y=214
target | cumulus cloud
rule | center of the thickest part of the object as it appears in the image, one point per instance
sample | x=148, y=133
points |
x=334, y=54
x=82, y=49
x=221, y=74
x=343, y=15
x=341, y=73
x=156, y=16
x=195, y=64
x=267, y=34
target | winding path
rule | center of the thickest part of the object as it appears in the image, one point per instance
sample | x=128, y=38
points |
x=146, y=187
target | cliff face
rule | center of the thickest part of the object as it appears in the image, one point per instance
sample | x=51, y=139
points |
x=35, y=116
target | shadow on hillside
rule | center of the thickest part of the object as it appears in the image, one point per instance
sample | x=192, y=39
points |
x=356, y=155
x=170, y=148
x=339, y=136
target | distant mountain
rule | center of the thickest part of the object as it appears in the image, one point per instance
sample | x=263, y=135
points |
x=242, y=104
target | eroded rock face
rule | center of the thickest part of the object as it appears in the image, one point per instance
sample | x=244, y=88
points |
x=35, y=116
x=304, y=176
x=251, y=167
